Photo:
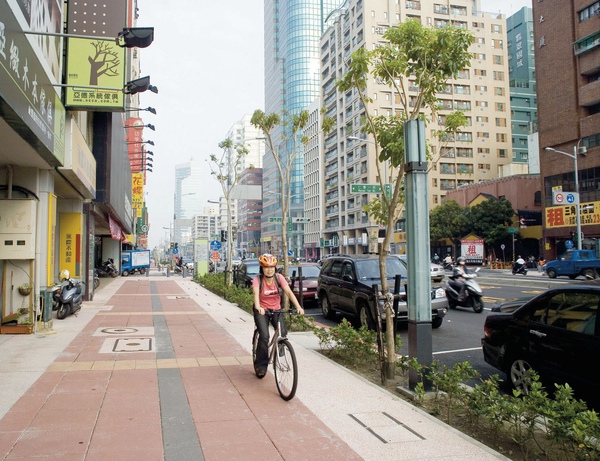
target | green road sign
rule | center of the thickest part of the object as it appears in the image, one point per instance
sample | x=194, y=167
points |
x=275, y=219
x=512, y=230
x=370, y=189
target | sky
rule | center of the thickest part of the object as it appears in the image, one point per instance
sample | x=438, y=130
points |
x=207, y=63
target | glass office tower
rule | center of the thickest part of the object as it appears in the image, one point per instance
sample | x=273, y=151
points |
x=293, y=30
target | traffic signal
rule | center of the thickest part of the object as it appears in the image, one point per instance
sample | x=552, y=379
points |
x=176, y=245
x=171, y=245
x=223, y=236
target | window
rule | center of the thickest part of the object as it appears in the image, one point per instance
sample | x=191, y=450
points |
x=497, y=59
x=499, y=75
x=496, y=28
x=500, y=137
x=500, y=106
x=500, y=122
x=499, y=91
x=481, y=119
x=501, y=153
x=571, y=311
x=480, y=72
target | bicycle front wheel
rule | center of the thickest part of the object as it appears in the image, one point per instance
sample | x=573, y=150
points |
x=286, y=369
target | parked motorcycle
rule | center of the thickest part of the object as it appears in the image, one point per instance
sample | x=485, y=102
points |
x=473, y=293
x=519, y=269
x=108, y=269
x=69, y=296
x=96, y=279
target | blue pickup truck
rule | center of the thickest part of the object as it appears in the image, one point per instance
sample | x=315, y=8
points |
x=574, y=263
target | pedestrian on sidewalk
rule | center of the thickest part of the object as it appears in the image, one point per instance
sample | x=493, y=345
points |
x=268, y=288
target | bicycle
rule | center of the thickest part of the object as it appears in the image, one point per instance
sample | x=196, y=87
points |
x=283, y=358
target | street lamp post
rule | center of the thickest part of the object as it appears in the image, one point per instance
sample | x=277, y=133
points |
x=576, y=151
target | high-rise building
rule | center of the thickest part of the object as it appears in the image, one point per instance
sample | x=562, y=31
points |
x=521, y=74
x=567, y=54
x=292, y=76
x=188, y=198
x=481, y=91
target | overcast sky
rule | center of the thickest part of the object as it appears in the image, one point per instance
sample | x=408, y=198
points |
x=207, y=63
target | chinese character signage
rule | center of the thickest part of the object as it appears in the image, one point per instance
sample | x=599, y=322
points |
x=472, y=250
x=95, y=74
x=566, y=215
x=26, y=86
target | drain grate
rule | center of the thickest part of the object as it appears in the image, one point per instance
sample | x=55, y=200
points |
x=133, y=345
x=119, y=331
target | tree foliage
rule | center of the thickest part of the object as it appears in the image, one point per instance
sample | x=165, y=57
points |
x=491, y=219
x=224, y=167
x=449, y=220
x=427, y=58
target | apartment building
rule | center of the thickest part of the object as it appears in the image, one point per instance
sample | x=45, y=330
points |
x=481, y=91
x=567, y=48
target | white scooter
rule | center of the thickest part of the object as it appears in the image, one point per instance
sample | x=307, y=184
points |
x=473, y=293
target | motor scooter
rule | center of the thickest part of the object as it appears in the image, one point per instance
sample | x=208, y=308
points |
x=107, y=269
x=68, y=297
x=96, y=279
x=473, y=293
x=519, y=269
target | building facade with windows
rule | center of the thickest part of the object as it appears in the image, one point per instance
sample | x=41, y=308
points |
x=567, y=50
x=482, y=91
x=521, y=72
x=292, y=82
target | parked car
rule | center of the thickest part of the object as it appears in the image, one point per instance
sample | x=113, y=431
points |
x=435, y=270
x=556, y=334
x=345, y=285
x=236, y=262
x=310, y=276
x=245, y=272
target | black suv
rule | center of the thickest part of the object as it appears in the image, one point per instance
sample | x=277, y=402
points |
x=346, y=285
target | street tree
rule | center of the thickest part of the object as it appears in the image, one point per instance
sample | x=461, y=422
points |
x=224, y=167
x=491, y=219
x=427, y=58
x=449, y=220
x=284, y=155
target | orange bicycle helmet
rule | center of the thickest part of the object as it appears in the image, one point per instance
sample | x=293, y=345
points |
x=267, y=260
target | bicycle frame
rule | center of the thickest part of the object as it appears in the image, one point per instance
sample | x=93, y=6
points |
x=282, y=356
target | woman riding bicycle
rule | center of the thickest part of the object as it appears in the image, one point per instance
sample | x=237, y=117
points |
x=268, y=295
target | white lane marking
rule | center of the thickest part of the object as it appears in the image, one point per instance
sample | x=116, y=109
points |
x=458, y=350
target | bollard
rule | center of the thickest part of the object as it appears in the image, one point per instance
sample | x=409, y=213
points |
x=168, y=271
x=148, y=272
x=183, y=271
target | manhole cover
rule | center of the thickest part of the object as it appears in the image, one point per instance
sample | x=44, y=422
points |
x=133, y=345
x=119, y=331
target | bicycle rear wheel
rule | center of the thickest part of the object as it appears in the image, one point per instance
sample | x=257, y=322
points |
x=286, y=369
x=254, y=346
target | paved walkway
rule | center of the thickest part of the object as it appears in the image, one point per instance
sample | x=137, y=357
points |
x=160, y=369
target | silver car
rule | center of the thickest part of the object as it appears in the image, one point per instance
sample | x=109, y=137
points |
x=436, y=271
